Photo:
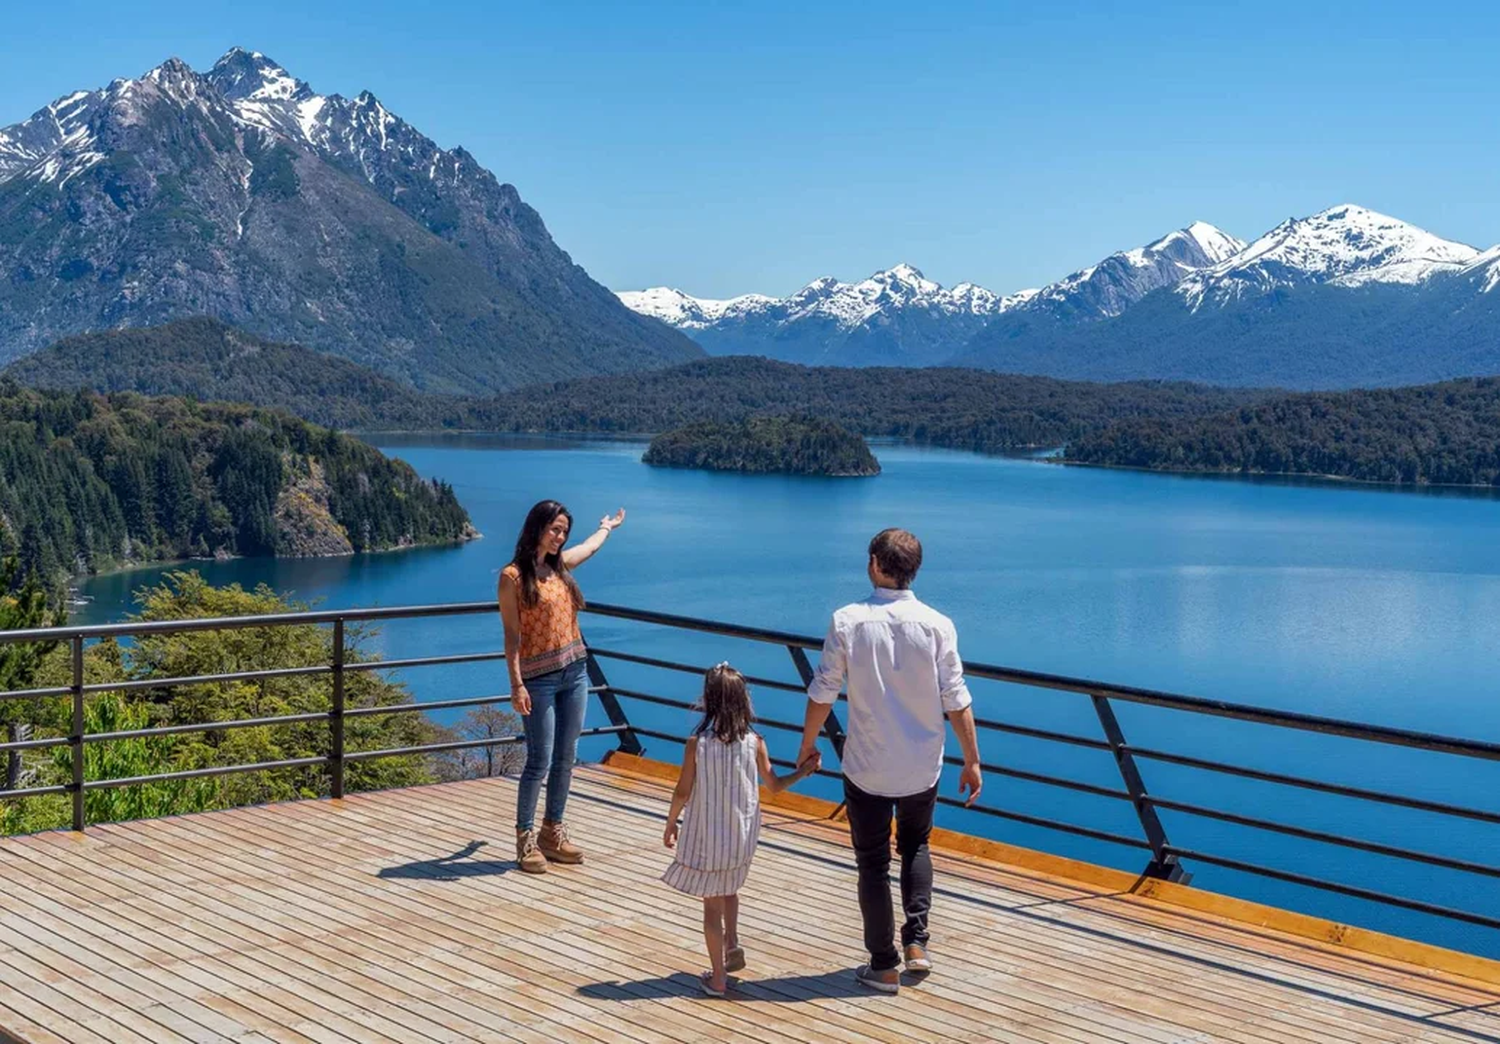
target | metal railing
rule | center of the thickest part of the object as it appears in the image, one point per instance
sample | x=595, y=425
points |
x=1166, y=859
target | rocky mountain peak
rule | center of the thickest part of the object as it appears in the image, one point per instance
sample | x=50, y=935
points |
x=242, y=74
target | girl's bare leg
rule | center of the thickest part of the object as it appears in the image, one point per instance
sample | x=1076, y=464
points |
x=713, y=937
x=731, y=921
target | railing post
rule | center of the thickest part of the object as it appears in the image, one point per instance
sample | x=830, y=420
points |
x=831, y=727
x=630, y=743
x=75, y=735
x=336, y=718
x=1163, y=865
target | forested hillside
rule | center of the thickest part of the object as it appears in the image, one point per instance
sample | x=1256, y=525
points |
x=963, y=409
x=89, y=481
x=205, y=359
x=1446, y=433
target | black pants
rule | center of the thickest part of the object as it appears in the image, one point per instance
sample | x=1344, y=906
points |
x=870, y=830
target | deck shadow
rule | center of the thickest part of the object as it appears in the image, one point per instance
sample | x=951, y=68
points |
x=783, y=989
x=450, y=867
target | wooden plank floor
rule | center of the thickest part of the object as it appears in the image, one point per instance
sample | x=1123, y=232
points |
x=400, y=917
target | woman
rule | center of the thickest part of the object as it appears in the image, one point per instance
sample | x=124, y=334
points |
x=539, y=603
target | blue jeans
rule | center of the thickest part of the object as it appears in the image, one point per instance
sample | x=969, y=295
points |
x=558, y=700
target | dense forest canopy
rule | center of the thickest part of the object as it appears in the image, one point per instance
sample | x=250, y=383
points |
x=185, y=595
x=1441, y=433
x=1446, y=433
x=89, y=481
x=209, y=360
x=791, y=445
x=963, y=409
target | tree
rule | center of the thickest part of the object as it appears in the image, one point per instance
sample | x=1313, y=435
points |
x=490, y=722
x=186, y=595
x=23, y=608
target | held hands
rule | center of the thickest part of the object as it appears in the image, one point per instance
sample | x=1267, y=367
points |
x=520, y=700
x=609, y=523
x=971, y=780
x=669, y=836
x=806, y=766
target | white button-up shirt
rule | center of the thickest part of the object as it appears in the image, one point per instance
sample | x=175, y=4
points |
x=901, y=658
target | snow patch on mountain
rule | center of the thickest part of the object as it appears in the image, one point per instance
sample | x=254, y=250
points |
x=678, y=309
x=1104, y=290
x=1345, y=246
x=1485, y=270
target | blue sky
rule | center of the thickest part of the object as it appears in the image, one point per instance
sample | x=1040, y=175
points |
x=733, y=148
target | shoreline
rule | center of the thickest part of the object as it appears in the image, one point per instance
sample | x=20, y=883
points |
x=1041, y=454
x=1311, y=478
x=157, y=563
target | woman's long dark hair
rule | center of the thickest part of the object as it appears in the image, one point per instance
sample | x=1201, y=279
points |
x=538, y=519
x=726, y=708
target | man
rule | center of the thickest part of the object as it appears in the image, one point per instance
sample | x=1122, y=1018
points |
x=905, y=676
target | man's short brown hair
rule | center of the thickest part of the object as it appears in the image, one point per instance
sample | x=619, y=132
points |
x=898, y=554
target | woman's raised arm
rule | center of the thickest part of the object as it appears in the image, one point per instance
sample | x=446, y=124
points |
x=573, y=557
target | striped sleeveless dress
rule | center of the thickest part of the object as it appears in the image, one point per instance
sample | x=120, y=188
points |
x=721, y=824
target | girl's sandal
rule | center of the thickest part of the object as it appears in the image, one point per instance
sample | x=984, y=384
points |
x=706, y=983
x=734, y=959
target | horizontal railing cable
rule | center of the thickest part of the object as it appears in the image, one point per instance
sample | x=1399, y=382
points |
x=203, y=773
x=1322, y=786
x=1354, y=891
x=1323, y=836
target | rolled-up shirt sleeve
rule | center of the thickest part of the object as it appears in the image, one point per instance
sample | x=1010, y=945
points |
x=950, y=669
x=832, y=664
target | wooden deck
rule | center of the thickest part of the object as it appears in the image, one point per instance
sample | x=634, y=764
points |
x=399, y=917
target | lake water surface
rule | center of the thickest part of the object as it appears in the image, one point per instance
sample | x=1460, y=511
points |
x=1351, y=602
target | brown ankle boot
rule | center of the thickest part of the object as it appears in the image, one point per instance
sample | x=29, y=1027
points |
x=554, y=843
x=528, y=856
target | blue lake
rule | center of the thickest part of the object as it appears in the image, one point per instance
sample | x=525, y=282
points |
x=1359, y=603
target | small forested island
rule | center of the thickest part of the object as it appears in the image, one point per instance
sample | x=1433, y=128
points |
x=786, y=445
x=90, y=482
x=1431, y=434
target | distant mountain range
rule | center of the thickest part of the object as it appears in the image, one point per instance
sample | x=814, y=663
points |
x=896, y=317
x=1345, y=297
x=242, y=194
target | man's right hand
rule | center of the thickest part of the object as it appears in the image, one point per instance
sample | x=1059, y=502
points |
x=809, y=750
x=972, y=781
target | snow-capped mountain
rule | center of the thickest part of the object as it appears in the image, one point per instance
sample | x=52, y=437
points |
x=896, y=317
x=1108, y=288
x=1344, y=297
x=1344, y=245
x=243, y=194
x=900, y=317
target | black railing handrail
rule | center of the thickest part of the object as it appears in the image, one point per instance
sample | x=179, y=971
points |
x=1165, y=855
x=1347, y=728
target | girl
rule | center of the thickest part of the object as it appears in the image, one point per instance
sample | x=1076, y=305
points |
x=718, y=788
x=547, y=662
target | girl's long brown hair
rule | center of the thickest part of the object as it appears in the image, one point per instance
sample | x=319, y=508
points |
x=541, y=516
x=727, y=712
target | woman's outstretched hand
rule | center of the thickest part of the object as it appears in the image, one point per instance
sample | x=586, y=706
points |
x=520, y=700
x=612, y=522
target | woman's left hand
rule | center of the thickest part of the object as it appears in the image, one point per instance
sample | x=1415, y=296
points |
x=612, y=522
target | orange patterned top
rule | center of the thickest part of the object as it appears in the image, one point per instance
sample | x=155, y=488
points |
x=550, y=639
